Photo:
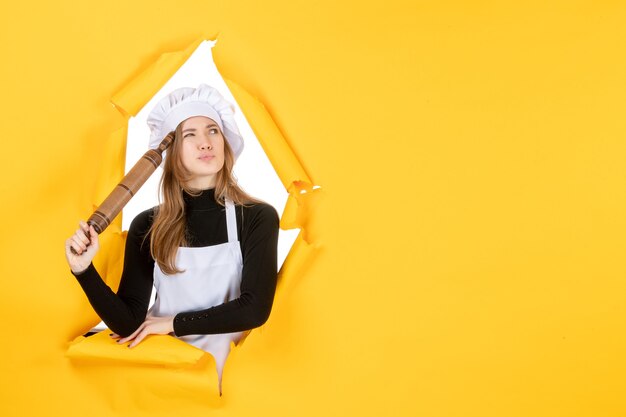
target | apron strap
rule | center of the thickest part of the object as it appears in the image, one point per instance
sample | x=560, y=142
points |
x=231, y=221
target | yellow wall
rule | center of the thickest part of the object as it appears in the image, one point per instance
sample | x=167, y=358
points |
x=471, y=161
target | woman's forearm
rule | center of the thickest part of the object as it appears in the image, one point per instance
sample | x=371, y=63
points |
x=125, y=310
x=258, y=285
x=121, y=314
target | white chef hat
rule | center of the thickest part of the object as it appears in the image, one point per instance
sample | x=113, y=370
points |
x=187, y=102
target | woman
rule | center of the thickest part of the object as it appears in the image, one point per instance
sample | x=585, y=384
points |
x=208, y=248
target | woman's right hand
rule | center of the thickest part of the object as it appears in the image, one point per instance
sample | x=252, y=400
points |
x=84, y=254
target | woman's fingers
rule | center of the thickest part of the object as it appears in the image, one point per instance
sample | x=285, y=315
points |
x=93, y=234
x=139, y=338
x=79, y=245
x=132, y=336
x=84, y=231
x=152, y=325
x=85, y=235
x=82, y=236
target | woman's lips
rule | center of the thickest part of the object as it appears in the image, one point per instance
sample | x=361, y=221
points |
x=206, y=158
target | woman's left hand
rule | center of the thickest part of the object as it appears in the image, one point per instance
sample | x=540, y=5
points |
x=152, y=325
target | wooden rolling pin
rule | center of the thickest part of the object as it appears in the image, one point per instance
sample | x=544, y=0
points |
x=127, y=188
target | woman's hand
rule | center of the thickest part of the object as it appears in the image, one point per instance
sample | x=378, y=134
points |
x=79, y=242
x=152, y=325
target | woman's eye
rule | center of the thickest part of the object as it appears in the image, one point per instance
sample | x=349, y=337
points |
x=213, y=131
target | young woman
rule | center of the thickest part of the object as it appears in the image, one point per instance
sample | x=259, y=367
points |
x=208, y=248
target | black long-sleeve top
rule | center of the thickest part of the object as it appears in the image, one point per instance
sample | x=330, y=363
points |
x=257, y=231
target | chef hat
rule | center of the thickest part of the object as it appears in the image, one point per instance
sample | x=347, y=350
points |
x=187, y=102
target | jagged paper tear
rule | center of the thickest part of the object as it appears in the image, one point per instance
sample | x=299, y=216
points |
x=130, y=100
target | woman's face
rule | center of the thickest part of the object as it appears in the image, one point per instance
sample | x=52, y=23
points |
x=202, y=151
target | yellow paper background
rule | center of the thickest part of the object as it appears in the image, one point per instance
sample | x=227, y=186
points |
x=470, y=218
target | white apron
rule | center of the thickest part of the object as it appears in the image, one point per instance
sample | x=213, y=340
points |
x=212, y=276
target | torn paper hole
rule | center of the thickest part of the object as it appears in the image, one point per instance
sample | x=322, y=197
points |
x=266, y=154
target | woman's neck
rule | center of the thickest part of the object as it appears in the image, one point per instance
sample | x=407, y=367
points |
x=202, y=183
x=204, y=201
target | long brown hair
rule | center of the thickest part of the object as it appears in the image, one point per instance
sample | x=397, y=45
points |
x=169, y=224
